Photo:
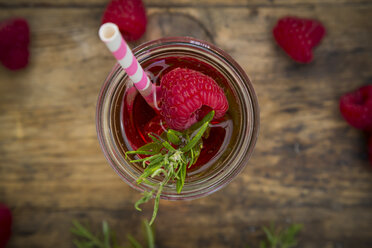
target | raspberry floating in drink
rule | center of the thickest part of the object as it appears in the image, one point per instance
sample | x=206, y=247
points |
x=185, y=92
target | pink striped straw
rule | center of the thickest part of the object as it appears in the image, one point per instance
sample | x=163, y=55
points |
x=109, y=33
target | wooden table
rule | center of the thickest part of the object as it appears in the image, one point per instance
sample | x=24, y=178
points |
x=308, y=167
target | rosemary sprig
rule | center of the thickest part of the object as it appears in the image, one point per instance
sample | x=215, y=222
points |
x=86, y=239
x=275, y=237
x=280, y=238
x=169, y=155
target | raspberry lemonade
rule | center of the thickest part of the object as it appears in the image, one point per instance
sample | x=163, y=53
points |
x=201, y=132
x=193, y=101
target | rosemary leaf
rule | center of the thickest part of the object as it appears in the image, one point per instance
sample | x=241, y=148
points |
x=133, y=242
x=106, y=234
x=156, y=160
x=168, y=146
x=148, y=172
x=154, y=147
x=157, y=141
x=173, y=137
x=142, y=152
x=196, y=138
x=207, y=118
x=181, y=182
x=145, y=198
x=156, y=204
x=140, y=160
x=149, y=235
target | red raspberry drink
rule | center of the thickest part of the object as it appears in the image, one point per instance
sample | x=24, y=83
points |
x=139, y=119
x=124, y=120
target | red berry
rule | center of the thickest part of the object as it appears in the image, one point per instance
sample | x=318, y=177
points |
x=14, y=41
x=5, y=225
x=356, y=108
x=185, y=96
x=298, y=36
x=129, y=15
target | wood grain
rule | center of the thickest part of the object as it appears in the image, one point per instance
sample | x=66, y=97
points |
x=180, y=3
x=308, y=167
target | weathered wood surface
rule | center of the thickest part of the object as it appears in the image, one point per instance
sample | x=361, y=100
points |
x=179, y=3
x=308, y=167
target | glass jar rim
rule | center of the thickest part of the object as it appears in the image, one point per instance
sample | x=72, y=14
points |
x=103, y=110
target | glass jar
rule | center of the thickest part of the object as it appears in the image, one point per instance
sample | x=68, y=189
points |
x=246, y=118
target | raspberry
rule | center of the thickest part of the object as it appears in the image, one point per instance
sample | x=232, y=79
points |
x=14, y=41
x=298, y=36
x=5, y=225
x=356, y=108
x=186, y=95
x=129, y=15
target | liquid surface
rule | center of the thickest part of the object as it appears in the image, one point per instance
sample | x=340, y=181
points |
x=138, y=118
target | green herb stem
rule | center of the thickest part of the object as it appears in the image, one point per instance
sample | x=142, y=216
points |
x=169, y=155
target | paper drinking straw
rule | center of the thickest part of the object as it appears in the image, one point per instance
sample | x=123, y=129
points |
x=109, y=33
